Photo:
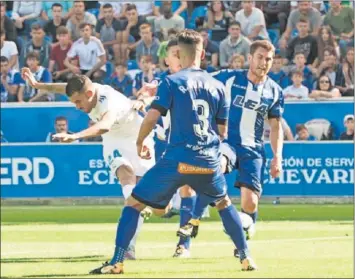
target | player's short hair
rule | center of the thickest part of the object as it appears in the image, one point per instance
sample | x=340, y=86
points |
x=265, y=44
x=147, y=58
x=189, y=37
x=171, y=43
x=3, y=59
x=107, y=6
x=83, y=25
x=62, y=30
x=145, y=26
x=33, y=55
x=77, y=84
x=61, y=118
x=298, y=73
x=57, y=5
x=36, y=26
x=130, y=7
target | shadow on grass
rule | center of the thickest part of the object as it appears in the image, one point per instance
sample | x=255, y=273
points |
x=56, y=259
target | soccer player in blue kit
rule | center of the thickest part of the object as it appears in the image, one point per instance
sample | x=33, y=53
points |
x=199, y=113
x=254, y=97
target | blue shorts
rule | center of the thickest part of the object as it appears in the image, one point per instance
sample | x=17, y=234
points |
x=250, y=163
x=159, y=184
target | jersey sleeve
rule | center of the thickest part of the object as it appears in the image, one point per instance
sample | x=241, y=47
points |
x=277, y=108
x=223, y=75
x=164, y=97
x=223, y=107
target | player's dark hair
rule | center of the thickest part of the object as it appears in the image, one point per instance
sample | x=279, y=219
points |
x=171, y=43
x=57, y=5
x=107, y=6
x=4, y=59
x=77, y=84
x=265, y=44
x=33, y=55
x=189, y=37
x=131, y=7
x=61, y=118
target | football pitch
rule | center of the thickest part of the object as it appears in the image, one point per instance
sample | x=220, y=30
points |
x=292, y=241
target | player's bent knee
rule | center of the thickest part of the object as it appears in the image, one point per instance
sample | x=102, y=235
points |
x=186, y=192
x=132, y=202
x=223, y=203
x=249, y=200
x=126, y=175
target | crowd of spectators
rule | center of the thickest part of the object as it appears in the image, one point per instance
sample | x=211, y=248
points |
x=123, y=43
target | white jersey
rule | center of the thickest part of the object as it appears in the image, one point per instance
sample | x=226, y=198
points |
x=119, y=143
x=128, y=121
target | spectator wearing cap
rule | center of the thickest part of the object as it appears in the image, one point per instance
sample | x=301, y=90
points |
x=27, y=93
x=148, y=45
x=37, y=44
x=91, y=54
x=325, y=89
x=252, y=21
x=57, y=20
x=168, y=20
x=304, y=9
x=349, y=128
x=7, y=24
x=302, y=133
x=234, y=43
x=58, y=55
x=108, y=30
x=80, y=16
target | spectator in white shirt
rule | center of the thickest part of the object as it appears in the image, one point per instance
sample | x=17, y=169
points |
x=79, y=17
x=296, y=90
x=91, y=54
x=252, y=21
x=9, y=50
x=25, y=13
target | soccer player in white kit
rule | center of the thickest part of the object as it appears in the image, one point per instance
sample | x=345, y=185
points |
x=118, y=124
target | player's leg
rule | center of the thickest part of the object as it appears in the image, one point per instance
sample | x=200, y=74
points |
x=188, y=199
x=155, y=189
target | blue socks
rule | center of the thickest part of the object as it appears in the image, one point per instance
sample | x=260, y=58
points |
x=200, y=205
x=126, y=229
x=252, y=215
x=233, y=226
x=186, y=209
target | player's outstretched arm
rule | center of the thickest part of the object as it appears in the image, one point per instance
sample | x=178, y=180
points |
x=101, y=127
x=149, y=122
x=43, y=87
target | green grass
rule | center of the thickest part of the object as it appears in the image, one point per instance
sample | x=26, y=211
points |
x=281, y=250
x=68, y=241
x=110, y=214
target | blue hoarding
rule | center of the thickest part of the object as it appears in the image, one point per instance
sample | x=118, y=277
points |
x=78, y=170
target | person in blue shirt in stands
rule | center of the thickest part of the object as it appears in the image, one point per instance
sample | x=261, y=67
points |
x=277, y=73
x=9, y=81
x=146, y=75
x=121, y=80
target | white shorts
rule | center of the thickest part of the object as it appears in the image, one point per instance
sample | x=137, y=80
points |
x=118, y=152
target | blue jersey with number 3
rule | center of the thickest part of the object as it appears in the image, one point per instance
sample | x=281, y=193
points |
x=197, y=103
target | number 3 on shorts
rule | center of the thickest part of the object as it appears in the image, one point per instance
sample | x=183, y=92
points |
x=115, y=154
x=203, y=111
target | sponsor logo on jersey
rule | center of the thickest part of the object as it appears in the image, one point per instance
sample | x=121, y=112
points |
x=189, y=169
x=240, y=101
